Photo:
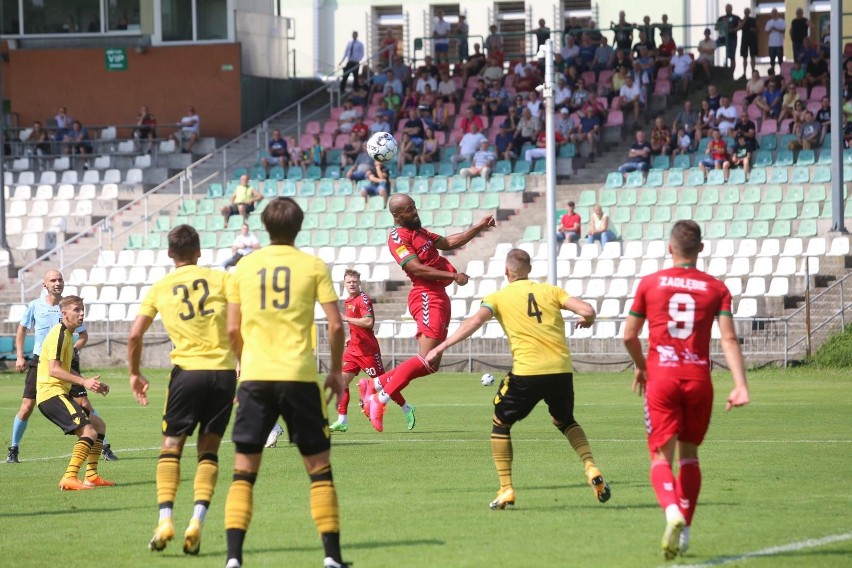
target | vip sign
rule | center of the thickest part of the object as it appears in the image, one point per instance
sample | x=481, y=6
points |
x=116, y=59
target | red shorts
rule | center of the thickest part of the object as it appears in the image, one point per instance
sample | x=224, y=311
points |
x=677, y=407
x=370, y=364
x=431, y=311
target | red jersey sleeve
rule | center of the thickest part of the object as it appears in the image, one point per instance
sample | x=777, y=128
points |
x=638, y=309
x=364, y=308
x=399, y=243
x=725, y=306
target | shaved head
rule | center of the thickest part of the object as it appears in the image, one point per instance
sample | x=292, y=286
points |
x=51, y=274
x=399, y=202
x=404, y=212
x=54, y=283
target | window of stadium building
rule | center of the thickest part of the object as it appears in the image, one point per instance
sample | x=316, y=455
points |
x=122, y=15
x=48, y=17
x=211, y=20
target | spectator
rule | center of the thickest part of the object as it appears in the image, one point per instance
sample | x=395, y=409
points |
x=535, y=105
x=570, y=51
x=146, y=129
x=717, y=153
x=745, y=127
x=775, y=27
x=647, y=28
x=440, y=34
x=497, y=102
x=408, y=150
x=570, y=225
x=631, y=97
x=714, y=99
x=244, y=244
x=296, y=154
x=540, y=150
x=401, y=71
x=665, y=27
x=619, y=79
x=447, y=88
x=353, y=148
x=410, y=100
x=38, y=142
x=573, y=28
x=360, y=166
x=433, y=69
x=666, y=51
x=604, y=58
x=469, y=119
x=541, y=33
x=481, y=164
x=565, y=123
x=593, y=106
x=190, y=128
x=77, y=140
x=346, y=120
x=468, y=145
x=63, y=124
x=817, y=72
x=823, y=115
x=415, y=128
x=243, y=200
x=425, y=79
x=706, y=121
x=587, y=53
x=847, y=132
x=315, y=155
x=388, y=49
x=799, y=30
x=360, y=128
x=749, y=40
x=661, y=138
x=479, y=96
x=431, y=150
x=809, y=135
x=589, y=131
x=579, y=96
x=754, y=87
x=378, y=180
x=798, y=117
x=572, y=77
x=391, y=80
x=643, y=71
x=681, y=70
x=475, y=63
x=706, y=54
x=639, y=156
x=686, y=119
x=381, y=124
x=359, y=96
x=492, y=72
x=351, y=61
x=378, y=80
x=808, y=50
x=770, y=102
x=599, y=227
x=643, y=43
x=798, y=73
x=394, y=103
x=788, y=103
x=726, y=116
x=683, y=142
x=513, y=117
x=727, y=26
x=494, y=44
x=741, y=156
x=462, y=31
x=504, y=141
x=623, y=33
x=278, y=150
x=622, y=60
x=527, y=131
x=441, y=115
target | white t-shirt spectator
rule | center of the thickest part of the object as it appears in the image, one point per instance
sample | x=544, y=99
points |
x=630, y=93
x=421, y=84
x=726, y=118
x=347, y=119
x=441, y=29
x=570, y=52
x=190, y=124
x=482, y=158
x=535, y=108
x=245, y=243
x=776, y=28
x=680, y=64
x=563, y=95
x=447, y=88
x=470, y=143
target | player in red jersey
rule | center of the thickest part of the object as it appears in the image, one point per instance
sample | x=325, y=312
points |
x=416, y=251
x=362, y=350
x=680, y=304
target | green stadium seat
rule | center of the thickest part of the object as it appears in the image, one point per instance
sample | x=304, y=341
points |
x=310, y=222
x=784, y=158
x=682, y=212
x=325, y=188
x=430, y=202
x=217, y=222
x=451, y=201
x=642, y=214
x=809, y=211
x=439, y=184
x=847, y=157
x=627, y=197
x=532, y=234
x=716, y=230
x=367, y=219
x=632, y=232
x=421, y=186
x=197, y=222
x=471, y=201
x=738, y=229
x=621, y=215
x=269, y=189
x=696, y=177
x=490, y=201
x=661, y=162
x=635, y=179
x=751, y=194
x=588, y=198
x=446, y=169
x=654, y=179
x=427, y=218
x=328, y=220
x=807, y=228
x=403, y=185
x=608, y=198
x=567, y=151
x=348, y=220
x=497, y=183
x=654, y=231
x=323, y=238
x=614, y=180
x=710, y=196
x=758, y=176
x=778, y=175
x=668, y=196
x=255, y=223
x=758, y=230
x=339, y=238
x=766, y=212
x=477, y=185
x=332, y=172
x=847, y=174
x=181, y=220
x=704, y=212
x=724, y=212
x=687, y=196
x=276, y=173
x=295, y=173
x=258, y=173
x=308, y=188
x=517, y=182
x=729, y=195
x=359, y=237
x=164, y=224
x=763, y=158
x=225, y=239
x=302, y=202
x=822, y=174
x=238, y=173
x=736, y=177
x=745, y=212
x=303, y=239
x=134, y=242
x=801, y=174
x=769, y=142
x=794, y=194
x=408, y=170
x=462, y=218
x=540, y=167
x=825, y=155
x=828, y=210
x=215, y=190
x=378, y=238
x=318, y=205
x=675, y=178
x=503, y=167
x=780, y=229
x=647, y=197
x=207, y=239
x=288, y=188
x=448, y=152
x=426, y=170
x=816, y=193
x=662, y=214
x=681, y=162
x=714, y=177
x=188, y=207
x=806, y=158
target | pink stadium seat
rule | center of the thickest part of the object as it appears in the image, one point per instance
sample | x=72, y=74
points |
x=458, y=82
x=615, y=118
x=754, y=113
x=339, y=142
x=588, y=77
x=312, y=127
x=441, y=137
x=663, y=73
x=377, y=97
x=803, y=93
x=847, y=50
x=455, y=136
x=616, y=102
x=330, y=126
x=817, y=93
x=739, y=98
x=510, y=81
x=662, y=88
x=769, y=126
x=306, y=140
x=336, y=112
x=786, y=67
x=605, y=76
x=492, y=136
x=814, y=105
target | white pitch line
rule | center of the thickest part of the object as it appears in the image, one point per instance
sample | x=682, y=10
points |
x=771, y=551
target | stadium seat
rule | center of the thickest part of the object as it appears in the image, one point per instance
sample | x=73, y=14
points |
x=807, y=228
x=778, y=176
x=714, y=177
x=614, y=180
x=674, y=178
x=801, y=174
x=729, y=195
x=634, y=179
x=734, y=285
x=822, y=174
x=784, y=158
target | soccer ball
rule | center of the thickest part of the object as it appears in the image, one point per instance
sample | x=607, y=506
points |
x=382, y=147
x=487, y=380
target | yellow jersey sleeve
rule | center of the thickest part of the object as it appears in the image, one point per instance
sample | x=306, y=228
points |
x=58, y=346
x=193, y=306
x=277, y=288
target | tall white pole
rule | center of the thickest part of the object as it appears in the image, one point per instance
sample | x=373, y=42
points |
x=550, y=171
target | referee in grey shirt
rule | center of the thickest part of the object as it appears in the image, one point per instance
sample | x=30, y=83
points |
x=352, y=56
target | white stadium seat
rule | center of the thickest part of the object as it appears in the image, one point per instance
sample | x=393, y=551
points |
x=44, y=191
x=22, y=193
x=770, y=247
x=87, y=191
x=65, y=191
x=632, y=250
x=656, y=249
x=29, y=241
x=568, y=251
x=786, y=266
x=626, y=268
x=69, y=176
x=96, y=312
x=778, y=287
x=134, y=176
x=107, y=294
x=589, y=251
x=816, y=247
x=581, y=269
x=839, y=246
x=618, y=288
x=747, y=248
x=793, y=247
x=475, y=269
x=755, y=287
x=762, y=266
x=739, y=267
x=128, y=295
x=89, y=293
x=735, y=286
x=746, y=308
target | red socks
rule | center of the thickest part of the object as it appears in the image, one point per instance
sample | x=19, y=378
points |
x=688, y=487
x=397, y=379
x=663, y=481
x=343, y=403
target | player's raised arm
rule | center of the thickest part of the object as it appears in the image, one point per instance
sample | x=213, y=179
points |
x=452, y=242
x=739, y=396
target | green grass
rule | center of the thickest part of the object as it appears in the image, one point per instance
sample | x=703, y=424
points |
x=775, y=472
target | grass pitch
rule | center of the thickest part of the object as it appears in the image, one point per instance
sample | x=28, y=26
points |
x=776, y=473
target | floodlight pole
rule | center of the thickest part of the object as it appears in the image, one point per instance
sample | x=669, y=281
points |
x=836, y=98
x=550, y=158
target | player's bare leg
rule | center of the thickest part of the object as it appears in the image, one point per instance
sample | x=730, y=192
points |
x=665, y=487
x=341, y=424
x=19, y=427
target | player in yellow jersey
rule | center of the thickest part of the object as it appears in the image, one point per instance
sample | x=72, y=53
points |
x=271, y=297
x=203, y=380
x=53, y=384
x=531, y=316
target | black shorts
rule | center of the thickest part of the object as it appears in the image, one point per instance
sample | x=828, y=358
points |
x=64, y=411
x=203, y=398
x=77, y=390
x=518, y=395
x=748, y=48
x=32, y=378
x=300, y=404
x=234, y=209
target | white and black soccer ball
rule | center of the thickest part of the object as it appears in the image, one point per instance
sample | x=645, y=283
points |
x=487, y=380
x=382, y=147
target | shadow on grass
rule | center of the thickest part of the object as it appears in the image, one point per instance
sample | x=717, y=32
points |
x=347, y=547
x=54, y=512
